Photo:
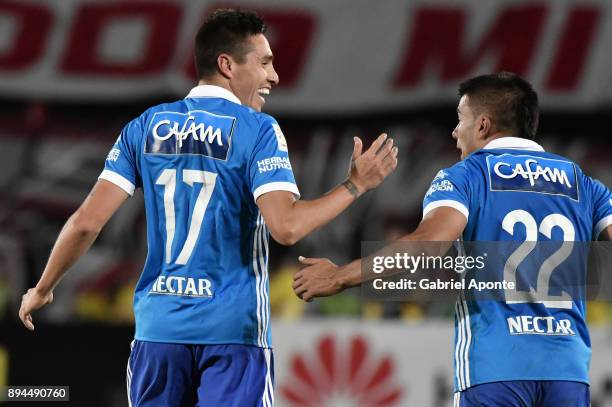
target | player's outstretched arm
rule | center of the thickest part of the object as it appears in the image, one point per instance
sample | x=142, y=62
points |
x=322, y=278
x=77, y=235
x=289, y=220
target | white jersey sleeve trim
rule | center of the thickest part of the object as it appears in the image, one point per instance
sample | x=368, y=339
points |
x=276, y=186
x=601, y=225
x=118, y=180
x=447, y=202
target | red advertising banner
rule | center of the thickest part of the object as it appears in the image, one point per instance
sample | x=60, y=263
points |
x=332, y=56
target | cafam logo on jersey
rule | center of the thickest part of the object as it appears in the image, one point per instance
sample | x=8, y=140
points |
x=195, y=132
x=532, y=174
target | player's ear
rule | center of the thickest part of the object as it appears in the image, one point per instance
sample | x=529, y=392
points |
x=224, y=64
x=484, y=127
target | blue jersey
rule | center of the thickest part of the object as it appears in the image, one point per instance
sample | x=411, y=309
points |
x=514, y=182
x=202, y=162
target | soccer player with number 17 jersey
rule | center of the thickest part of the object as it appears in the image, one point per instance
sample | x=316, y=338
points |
x=216, y=180
x=506, y=188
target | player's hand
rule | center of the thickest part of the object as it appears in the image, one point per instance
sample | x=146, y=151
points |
x=30, y=302
x=319, y=278
x=370, y=168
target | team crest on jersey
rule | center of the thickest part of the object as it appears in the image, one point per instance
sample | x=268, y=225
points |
x=195, y=132
x=532, y=174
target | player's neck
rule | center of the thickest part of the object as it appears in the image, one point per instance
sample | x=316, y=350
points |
x=495, y=136
x=215, y=81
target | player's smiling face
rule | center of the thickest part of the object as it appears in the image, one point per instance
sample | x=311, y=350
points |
x=254, y=77
x=466, y=131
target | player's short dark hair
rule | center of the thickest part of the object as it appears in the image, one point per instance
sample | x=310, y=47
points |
x=508, y=98
x=225, y=31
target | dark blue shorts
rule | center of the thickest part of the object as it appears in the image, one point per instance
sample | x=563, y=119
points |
x=169, y=374
x=525, y=393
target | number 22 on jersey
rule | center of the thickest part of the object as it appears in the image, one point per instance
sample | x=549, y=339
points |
x=544, y=274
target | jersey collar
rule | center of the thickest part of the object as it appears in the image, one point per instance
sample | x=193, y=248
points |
x=513, y=143
x=212, y=91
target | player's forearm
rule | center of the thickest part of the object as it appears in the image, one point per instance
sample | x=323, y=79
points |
x=307, y=216
x=350, y=274
x=74, y=240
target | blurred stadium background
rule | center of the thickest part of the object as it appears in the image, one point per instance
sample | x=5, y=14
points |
x=73, y=72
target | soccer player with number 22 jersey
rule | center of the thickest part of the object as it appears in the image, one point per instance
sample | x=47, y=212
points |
x=506, y=188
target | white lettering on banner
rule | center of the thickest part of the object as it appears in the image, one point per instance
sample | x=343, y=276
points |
x=422, y=66
x=182, y=286
x=273, y=163
x=199, y=131
x=113, y=155
x=527, y=172
x=528, y=324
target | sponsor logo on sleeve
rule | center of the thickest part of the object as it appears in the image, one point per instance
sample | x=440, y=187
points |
x=273, y=163
x=442, y=186
x=280, y=138
x=113, y=155
x=196, y=132
x=525, y=173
